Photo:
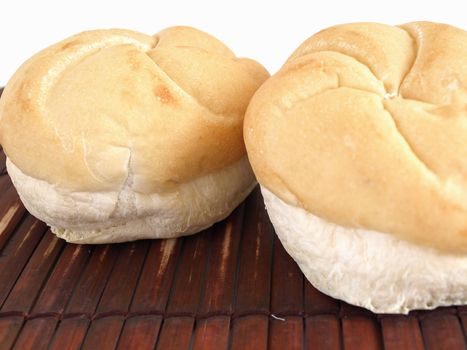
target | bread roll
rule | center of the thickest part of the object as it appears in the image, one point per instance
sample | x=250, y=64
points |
x=114, y=135
x=359, y=143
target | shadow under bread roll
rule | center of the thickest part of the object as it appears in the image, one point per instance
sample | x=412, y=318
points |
x=359, y=144
x=114, y=135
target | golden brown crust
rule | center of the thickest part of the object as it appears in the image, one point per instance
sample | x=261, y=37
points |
x=365, y=126
x=89, y=111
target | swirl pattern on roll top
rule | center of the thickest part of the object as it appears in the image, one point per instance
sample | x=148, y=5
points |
x=366, y=126
x=90, y=111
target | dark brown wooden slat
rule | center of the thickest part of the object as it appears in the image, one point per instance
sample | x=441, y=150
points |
x=140, y=332
x=11, y=209
x=361, y=333
x=401, y=333
x=186, y=291
x=5, y=184
x=11, y=212
x=123, y=279
x=287, y=284
x=2, y=163
x=103, y=333
x=443, y=331
x=442, y=310
x=70, y=333
x=212, y=333
x=463, y=318
x=176, y=333
x=36, y=333
x=249, y=332
x=10, y=326
x=286, y=334
x=59, y=286
x=462, y=309
x=158, y=272
x=352, y=310
x=222, y=266
x=317, y=303
x=91, y=285
x=31, y=280
x=323, y=332
x=17, y=252
x=254, y=276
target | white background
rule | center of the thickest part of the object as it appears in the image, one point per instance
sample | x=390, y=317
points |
x=267, y=31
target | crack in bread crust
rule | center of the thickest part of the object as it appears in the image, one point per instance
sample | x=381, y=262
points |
x=417, y=53
x=399, y=131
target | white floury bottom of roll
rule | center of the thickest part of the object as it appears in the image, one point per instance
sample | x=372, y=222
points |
x=125, y=215
x=367, y=268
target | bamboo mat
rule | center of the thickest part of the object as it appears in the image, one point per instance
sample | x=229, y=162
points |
x=231, y=286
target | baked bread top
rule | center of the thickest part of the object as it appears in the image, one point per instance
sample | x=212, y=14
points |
x=366, y=126
x=90, y=111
